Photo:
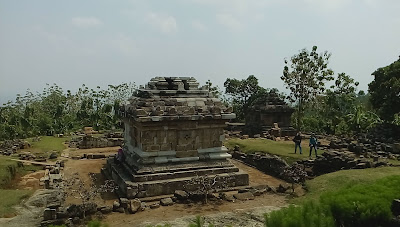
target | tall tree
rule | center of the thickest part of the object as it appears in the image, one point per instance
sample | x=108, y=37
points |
x=385, y=91
x=340, y=100
x=305, y=76
x=241, y=92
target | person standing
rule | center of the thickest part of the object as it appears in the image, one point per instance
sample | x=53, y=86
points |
x=313, y=144
x=297, y=142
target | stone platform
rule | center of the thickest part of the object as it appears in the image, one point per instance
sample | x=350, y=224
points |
x=168, y=178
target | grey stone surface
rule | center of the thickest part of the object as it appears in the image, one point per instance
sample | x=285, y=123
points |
x=166, y=202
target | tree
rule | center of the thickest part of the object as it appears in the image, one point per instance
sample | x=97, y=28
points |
x=305, y=76
x=241, y=92
x=385, y=91
x=340, y=100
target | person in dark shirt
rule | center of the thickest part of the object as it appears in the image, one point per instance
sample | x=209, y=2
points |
x=297, y=142
x=313, y=144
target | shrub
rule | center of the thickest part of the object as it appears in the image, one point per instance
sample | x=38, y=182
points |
x=364, y=205
x=308, y=215
x=353, y=205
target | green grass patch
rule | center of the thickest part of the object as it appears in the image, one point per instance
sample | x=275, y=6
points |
x=49, y=143
x=349, y=197
x=337, y=180
x=284, y=149
x=10, y=198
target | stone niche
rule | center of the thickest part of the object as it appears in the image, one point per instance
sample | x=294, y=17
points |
x=173, y=132
x=264, y=116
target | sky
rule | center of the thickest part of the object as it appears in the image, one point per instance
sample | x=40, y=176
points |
x=101, y=42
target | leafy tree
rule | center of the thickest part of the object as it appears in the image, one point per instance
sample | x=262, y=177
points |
x=385, y=90
x=340, y=100
x=305, y=76
x=241, y=93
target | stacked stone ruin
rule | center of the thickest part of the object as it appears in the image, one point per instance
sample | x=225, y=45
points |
x=273, y=116
x=173, y=132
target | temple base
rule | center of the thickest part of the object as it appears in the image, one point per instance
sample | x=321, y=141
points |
x=165, y=179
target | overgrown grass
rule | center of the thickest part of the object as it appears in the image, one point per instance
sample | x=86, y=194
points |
x=337, y=180
x=284, y=149
x=10, y=198
x=349, y=197
x=8, y=170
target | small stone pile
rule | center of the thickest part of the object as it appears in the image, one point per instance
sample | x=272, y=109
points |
x=9, y=147
x=367, y=147
x=331, y=161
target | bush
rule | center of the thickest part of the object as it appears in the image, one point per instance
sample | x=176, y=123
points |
x=354, y=205
x=307, y=215
x=364, y=205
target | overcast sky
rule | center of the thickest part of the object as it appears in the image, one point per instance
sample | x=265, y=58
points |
x=99, y=42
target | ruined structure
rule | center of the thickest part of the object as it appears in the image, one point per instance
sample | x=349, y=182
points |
x=264, y=116
x=173, y=132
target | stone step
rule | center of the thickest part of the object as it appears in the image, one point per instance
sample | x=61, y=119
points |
x=166, y=168
x=180, y=174
x=162, y=187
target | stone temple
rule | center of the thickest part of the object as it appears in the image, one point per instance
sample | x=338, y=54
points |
x=269, y=115
x=173, y=132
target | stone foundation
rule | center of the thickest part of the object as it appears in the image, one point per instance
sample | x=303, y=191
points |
x=168, y=178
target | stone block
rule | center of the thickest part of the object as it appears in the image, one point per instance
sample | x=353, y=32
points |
x=49, y=214
x=124, y=202
x=186, y=153
x=134, y=206
x=181, y=195
x=166, y=202
x=180, y=148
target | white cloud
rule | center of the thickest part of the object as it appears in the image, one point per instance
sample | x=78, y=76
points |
x=229, y=21
x=86, y=22
x=165, y=23
x=199, y=26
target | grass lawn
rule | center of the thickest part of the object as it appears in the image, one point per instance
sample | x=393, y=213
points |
x=49, y=143
x=284, y=149
x=10, y=198
x=345, y=178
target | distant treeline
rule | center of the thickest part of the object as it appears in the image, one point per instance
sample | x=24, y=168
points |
x=55, y=111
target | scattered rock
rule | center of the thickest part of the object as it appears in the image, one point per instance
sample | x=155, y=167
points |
x=116, y=205
x=181, y=195
x=166, y=202
x=124, y=202
x=155, y=205
x=106, y=210
x=53, y=155
x=134, y=206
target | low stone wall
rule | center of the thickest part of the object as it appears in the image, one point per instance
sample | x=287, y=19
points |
x=332, y=161
x=270, y=164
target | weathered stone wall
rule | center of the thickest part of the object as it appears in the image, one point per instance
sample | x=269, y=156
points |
x=270, y=164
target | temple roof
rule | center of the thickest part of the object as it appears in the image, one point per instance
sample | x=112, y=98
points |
x=174, y=98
